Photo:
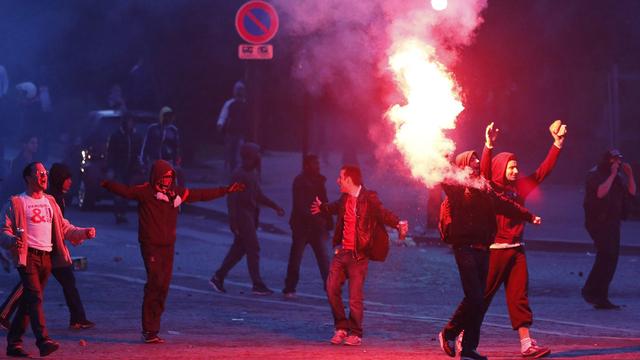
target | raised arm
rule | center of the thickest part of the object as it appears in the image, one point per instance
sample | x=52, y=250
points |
x=490, y=136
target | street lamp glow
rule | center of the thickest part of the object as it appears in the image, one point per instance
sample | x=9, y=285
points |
x=439, y=5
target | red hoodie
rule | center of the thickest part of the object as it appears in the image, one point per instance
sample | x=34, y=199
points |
x=157, y=218
x=510, y=230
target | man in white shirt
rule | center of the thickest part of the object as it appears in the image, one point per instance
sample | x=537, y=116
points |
x=34, y=230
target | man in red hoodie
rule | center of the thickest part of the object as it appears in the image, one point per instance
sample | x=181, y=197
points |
x=507, y=260
x=158, y=202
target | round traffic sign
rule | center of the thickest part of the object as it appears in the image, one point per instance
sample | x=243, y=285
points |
x=257, y=22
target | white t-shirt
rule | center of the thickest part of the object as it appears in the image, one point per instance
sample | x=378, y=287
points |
x=39, y=222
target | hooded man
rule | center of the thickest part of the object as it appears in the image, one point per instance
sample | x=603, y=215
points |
x=158, y=202
x=162, y=140
x=507, y=260
x=607, y=194
x=468, y=224
x=243, y=220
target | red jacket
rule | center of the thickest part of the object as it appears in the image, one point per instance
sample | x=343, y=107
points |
x=510, y=229
x=157, y=218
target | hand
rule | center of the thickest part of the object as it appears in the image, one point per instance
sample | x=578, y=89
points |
x=490, y=135
x=235, y=187
x=558, y=130
x=627, y=170
x=280, y=211
x=403, y=229
x=90, y=233
x=315, y=206
x=537, y=220
x=614, y=168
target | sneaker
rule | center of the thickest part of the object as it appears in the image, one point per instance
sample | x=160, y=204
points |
x=353, y=340
x=261, y=290
x=289, y=294
x=5, y=324
x=446, y=345
x=47, y=347
x=81, y=325
x=218, y=284
x=534, y=351
x=606, y=305
x=472, y=355
x=151, y=338
x=459, y=342
x=338, y=337
x=588, y=297
x=16, y=351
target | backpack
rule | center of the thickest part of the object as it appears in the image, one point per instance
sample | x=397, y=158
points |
x=379, y=243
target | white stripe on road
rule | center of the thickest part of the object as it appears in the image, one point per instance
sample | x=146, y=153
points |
x=428, y=319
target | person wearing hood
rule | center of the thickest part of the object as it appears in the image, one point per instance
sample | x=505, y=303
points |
x=244, y=220
x=607, y=196
x=158, y=202
x=162, y=140
x=59, y=185
x=34, y=229
x=468, y=224
x=507, y=259
x=307, y=229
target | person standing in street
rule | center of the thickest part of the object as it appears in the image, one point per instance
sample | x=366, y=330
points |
x=243, y=220
x=360, y=213
x=610, y=188
x=158, y=202
x=307, y=229
x=233, y=123
x=34, y=229
x=121, y=161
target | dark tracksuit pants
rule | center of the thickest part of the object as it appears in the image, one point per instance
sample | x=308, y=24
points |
x=34, y=277
x=67, y=280
x=509, y=266
x=244, y=243
x=158, y=262
x=345, y=265
x=300, y=238
x=606, y=239
x=472, y=265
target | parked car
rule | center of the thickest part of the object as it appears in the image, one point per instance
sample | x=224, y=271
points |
x=92, y=157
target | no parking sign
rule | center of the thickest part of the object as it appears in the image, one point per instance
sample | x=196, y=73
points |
x=256, y=22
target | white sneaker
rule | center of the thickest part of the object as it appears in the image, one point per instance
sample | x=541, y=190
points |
x=459, y=342
x=338, y=337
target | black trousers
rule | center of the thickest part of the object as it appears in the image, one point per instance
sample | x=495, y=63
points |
x=158, y=262
x=317, y=239
x=34, y=277
x=67, y=280
x=473, y=265
x=246, y=243
x=606, y=239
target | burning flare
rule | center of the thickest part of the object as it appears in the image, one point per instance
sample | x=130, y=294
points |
x=432, y=106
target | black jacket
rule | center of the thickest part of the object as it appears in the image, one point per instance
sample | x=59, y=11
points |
x=305, y=190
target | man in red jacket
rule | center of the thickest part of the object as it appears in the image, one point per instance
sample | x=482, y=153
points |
x=158, y=202
x=507, y=260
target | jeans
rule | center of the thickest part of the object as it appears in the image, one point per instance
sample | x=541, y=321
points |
x=300, y=238
x=607, y=242
x=34, y=277
x=472, y=266
x=345, y=265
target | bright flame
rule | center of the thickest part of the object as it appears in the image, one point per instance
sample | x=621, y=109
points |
x=439, y=5
x=432, y=105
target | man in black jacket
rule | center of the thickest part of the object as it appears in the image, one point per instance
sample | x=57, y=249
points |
x=305, y=227
x=359, y=212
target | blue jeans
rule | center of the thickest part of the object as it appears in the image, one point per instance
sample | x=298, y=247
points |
x=345, y=265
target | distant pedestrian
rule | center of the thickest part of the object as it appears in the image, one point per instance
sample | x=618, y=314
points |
x=158, y=202
x=233, y=123
x=59, y=185
x=507, y=259
x=244, y=220
x=34, y=229
x=608, y=194
x=122, y=149
x=162, y=140
x=360, y=216
x=307, y=229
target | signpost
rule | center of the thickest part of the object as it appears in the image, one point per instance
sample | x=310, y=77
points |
x=256, y=22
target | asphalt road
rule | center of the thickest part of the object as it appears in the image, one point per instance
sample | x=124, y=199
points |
x=408, y=300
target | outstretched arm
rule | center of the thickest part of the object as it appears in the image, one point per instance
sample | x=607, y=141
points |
x=127, y=192
x=193, y=195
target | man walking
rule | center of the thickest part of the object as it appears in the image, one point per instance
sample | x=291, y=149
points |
x=34, y=229
x=608, y=192
x=305, y=227
x=359, y=212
